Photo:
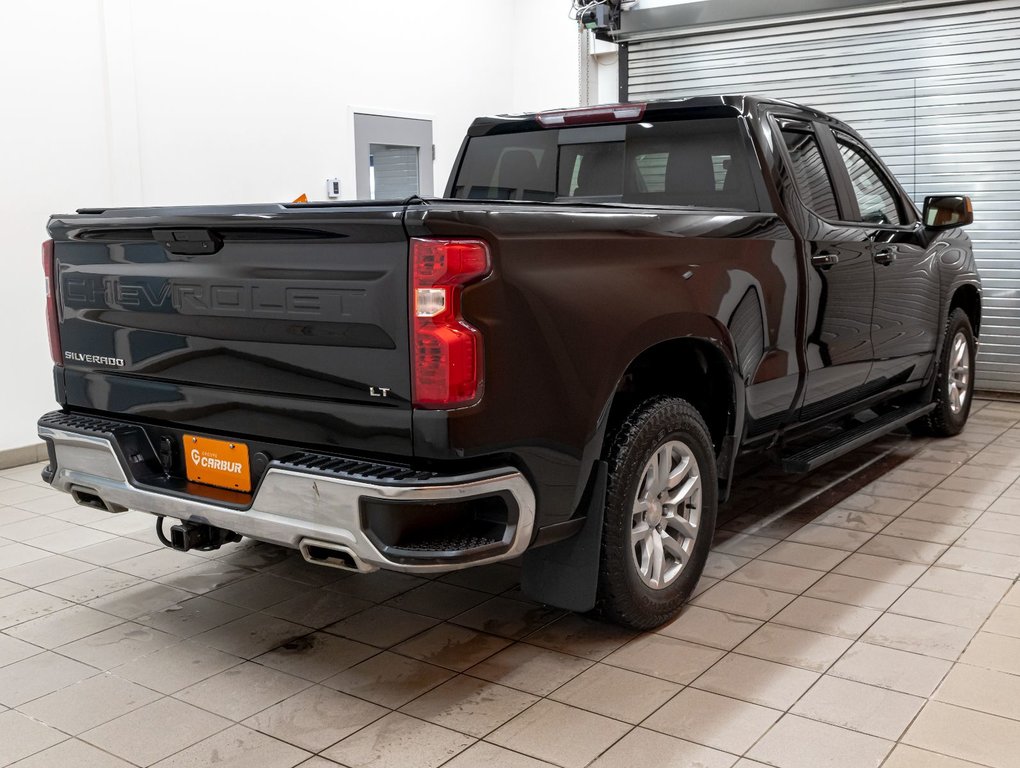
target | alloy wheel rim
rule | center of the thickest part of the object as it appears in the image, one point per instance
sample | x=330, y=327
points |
x=959, y=373
x=666, y=514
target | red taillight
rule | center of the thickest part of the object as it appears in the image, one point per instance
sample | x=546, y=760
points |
x=52, y=322
x=604, y=113
x=446, y=351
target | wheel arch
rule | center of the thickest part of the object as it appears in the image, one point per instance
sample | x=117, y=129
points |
x=968, y=298
x=565, y=570
x=715, y=389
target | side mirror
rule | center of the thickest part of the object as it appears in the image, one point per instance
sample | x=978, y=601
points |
x=948, y=212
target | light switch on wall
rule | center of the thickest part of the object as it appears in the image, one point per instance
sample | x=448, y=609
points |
x=333, y=188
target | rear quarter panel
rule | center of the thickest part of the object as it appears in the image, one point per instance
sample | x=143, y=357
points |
x=575, y=295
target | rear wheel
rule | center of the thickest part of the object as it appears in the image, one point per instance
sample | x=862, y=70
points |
x=660, y=513
x=954, y=382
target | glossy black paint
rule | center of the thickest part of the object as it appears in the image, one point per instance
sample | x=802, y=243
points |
x=578, y=298
x=870, y=316
x=566, y=311
x=280, y=333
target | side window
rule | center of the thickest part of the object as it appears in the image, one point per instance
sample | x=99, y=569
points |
x=810, y=174
x=875, y=195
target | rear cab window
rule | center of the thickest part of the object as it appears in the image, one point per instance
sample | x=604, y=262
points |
x=704, y=162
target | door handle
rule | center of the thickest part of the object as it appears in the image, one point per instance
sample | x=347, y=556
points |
x=825, y=259
x=885, y=257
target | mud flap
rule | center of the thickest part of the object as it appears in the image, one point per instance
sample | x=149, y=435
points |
x=566, y=574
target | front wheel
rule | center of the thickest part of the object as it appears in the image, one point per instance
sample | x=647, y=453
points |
x=660, y=513
x=954, y=380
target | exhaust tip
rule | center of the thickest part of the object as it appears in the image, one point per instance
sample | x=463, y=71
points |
x=89, y=498
x=334, y=556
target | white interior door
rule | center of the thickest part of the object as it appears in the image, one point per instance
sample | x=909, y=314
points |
x=393, y=157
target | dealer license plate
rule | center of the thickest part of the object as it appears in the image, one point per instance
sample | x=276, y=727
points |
x=222, y=463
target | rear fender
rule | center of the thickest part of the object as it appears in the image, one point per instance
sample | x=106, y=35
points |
x=705, y=334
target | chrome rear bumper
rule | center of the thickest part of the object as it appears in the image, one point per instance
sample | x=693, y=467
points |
x=299, y=509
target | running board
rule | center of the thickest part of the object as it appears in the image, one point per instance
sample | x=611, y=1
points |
x=813, y=457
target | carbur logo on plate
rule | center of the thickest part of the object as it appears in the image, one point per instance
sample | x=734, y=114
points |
x=222, y=463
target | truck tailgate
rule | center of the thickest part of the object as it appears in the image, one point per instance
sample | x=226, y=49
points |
x=279, y=321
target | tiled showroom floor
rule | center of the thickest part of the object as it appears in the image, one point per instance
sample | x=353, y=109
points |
x=865, y=615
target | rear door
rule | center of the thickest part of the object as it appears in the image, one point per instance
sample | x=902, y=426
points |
x=840, y=279
x=289, y=323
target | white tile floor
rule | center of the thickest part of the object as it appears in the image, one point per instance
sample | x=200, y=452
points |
x=865, y=615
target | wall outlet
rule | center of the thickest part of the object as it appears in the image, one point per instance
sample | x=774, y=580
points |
x=333, y=188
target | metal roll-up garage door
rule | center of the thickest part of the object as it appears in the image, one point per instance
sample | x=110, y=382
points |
x=936, y=90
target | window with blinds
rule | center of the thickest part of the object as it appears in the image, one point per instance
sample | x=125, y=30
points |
x=393, y=173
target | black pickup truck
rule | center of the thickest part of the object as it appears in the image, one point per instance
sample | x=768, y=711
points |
x=557, y=362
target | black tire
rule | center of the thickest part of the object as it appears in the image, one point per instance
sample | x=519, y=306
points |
x=625, y=595
x=946, y=420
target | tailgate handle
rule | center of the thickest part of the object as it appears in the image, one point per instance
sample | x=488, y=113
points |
x=189, y=242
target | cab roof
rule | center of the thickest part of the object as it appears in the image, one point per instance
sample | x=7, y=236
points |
x=607, y=114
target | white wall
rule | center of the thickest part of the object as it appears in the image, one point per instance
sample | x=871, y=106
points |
x=263, y=97
x=127, y=102
x=53, y=158
x=545, y=49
